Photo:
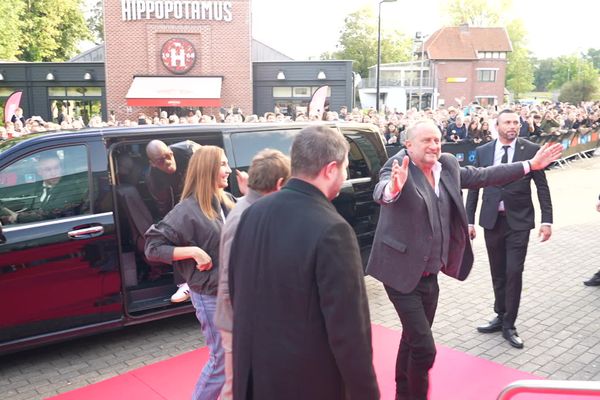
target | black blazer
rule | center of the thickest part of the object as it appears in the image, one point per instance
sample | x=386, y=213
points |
x=518, y=204
x=69, y=197
x=301, y=319
x=402, y=242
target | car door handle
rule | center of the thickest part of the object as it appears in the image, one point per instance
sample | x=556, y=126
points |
x=86, y=233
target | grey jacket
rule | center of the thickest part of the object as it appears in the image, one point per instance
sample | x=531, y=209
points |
x=186, y=225
x=402, y=242
x=224, y=313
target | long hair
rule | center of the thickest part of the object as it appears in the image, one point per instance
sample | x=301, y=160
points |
x=201, y=180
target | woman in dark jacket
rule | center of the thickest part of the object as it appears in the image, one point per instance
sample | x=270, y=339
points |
x=188, y=238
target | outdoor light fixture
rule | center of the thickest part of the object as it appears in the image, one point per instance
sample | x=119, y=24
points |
x=88, y=76
x=321, y=75
x=50, y=76
x=280, y=75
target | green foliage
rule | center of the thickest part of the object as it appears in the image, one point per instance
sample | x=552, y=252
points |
x=358, y=42
x=543, y=74
x=95, y=22
x=579, y=90
x=476, y=12
x=41, y=30
x=519, y=72
x=10, y=28
x=593, y=55
x=572, y=68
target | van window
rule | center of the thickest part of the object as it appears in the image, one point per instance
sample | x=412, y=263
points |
x=45, y=185
x=247, y=144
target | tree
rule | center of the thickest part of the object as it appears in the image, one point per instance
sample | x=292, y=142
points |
x=543, y=74
x=10, y=28
x=476, y=12
x=577, y=91
x=572, y=68
x=593, y=55
x=358, y=42
x=95, y=21
x=519, y=70
x=51, y=30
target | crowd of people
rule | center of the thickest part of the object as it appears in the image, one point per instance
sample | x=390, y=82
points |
x=472, y=122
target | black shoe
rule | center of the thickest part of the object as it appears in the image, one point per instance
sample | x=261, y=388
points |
x=494, y=325
x=513, y=338
x=594, y=280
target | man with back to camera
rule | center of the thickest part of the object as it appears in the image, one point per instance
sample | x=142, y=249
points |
x=301, y=318
x=269, y=171
x=422, y=230
x=507, y=216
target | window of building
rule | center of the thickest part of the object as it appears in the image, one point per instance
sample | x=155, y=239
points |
x=46, y=185
x=487, y=100
x=302, y=91
x=74, y=102
x=282, y=91
x=486, y=75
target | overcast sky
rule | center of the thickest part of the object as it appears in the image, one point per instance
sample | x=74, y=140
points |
x=307, y=28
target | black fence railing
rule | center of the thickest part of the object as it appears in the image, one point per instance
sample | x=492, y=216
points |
x=575, y=143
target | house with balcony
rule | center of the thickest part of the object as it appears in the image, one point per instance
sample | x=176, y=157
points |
x=454, y=66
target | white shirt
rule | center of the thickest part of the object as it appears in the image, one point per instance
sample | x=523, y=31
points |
x=437, y=173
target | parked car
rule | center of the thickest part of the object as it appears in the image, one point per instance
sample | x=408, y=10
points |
x=78, y=267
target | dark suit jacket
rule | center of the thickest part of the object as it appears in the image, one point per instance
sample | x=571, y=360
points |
x=301, y=319
x=68, y=198
x=402, y=242
x=516, y=195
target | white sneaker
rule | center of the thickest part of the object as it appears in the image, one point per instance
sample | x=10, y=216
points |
x=182, y=294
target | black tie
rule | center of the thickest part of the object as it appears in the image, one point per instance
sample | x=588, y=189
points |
x=505, y=155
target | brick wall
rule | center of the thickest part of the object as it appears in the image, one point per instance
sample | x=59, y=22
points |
x=471, y=88
x=222, y=48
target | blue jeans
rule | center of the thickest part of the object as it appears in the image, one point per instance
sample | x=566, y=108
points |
x=212, y=378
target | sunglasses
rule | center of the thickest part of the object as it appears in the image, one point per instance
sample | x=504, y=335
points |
x=163, y=160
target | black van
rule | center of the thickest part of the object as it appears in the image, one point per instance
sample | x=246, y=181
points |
x=80, y=269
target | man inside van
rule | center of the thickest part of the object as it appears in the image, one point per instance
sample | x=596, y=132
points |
x=168, y=165
x=57, y=195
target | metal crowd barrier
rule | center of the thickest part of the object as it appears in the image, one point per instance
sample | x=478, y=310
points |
x=566, y=388
x=576, y=145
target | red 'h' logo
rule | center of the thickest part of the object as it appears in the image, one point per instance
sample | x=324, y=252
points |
x=178, y=55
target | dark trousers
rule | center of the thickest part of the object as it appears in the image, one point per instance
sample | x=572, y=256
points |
x=417, y=348
x=506, y=250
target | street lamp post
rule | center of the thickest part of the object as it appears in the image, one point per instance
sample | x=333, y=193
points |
x=379, y=51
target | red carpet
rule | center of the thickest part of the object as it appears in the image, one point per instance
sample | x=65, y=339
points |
x=455, y=376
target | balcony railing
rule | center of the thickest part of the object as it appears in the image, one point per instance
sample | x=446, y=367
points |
x=415, y=83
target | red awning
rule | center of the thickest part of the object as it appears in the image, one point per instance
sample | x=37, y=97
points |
x=175, y=91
